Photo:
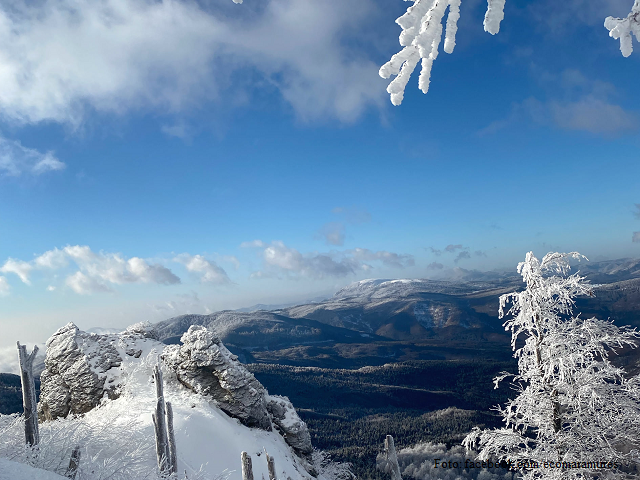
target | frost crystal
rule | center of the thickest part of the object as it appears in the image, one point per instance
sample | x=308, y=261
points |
x=622, y=28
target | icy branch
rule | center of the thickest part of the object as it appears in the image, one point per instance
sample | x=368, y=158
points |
x=421, y=36
x=622, y=28
x=494, y=15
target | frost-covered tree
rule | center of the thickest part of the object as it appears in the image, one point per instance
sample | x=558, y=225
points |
x=422, y=32
x=573, y=405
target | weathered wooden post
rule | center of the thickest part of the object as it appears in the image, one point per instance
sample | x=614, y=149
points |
x=31, y=431
x=160, y=423
x=271, y=466
x=74, y=463
x=392, y=458
x=247, y=470
x=173, y=459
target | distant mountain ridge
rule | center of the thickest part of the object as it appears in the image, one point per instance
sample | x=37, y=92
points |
x=402, y=318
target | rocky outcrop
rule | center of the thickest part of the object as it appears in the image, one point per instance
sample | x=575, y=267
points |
x=291, y=427
x=81, y=368
x=203, y=364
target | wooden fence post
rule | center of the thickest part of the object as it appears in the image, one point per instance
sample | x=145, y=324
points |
x=31, y=431
x=271, y=466
x=173, y=458
x=392, y=458
x=74, y=463
x=160, y=424
x=247, y=471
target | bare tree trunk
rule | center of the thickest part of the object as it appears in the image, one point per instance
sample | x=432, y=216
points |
x=271, y=466
x=74, y=463
x=160, y=424
x=392, y=458
x=31, y=431
x=173, y=459
x=247, y=470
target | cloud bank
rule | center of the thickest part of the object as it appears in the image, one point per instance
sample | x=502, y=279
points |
x=64, y=58
x=96, y=272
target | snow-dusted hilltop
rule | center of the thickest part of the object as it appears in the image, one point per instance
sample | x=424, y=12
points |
x=97, y=392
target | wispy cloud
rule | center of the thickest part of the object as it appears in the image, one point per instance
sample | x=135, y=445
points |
x=208, y=270
x=452, y=248
x=279, y=259
x=17, y=160
x=67, y=57
x=573, y=102
x=636, y=237
x=637, y=212
x=464, y=255
x=333, y=233
x=4, y=287
x=435, y=266
x=20, y=268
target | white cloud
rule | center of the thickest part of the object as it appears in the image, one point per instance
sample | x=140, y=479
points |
x=52, y=259
x=96, y=271
x=85, y=285
x=66, y=57
x=209, y=270
x=16, y=160
x=20, y=268
x=636, y=237
x=4, y=287
x=281, y=259
x=51, y=288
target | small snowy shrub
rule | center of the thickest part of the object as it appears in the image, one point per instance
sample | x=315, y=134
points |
x=425, y=461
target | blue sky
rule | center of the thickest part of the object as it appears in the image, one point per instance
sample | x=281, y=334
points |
x=158, y=158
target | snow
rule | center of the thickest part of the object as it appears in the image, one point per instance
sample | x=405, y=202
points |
x=119, y=434
x=18, y=471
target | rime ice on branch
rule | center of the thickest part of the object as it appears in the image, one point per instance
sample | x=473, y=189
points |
x=622, y=28
x=421, y=35
x=422, y=32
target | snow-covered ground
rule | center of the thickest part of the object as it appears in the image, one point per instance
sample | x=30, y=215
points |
x=117, y=438
x=19, y=471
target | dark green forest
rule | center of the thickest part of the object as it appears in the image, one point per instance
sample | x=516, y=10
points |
x=349, y=412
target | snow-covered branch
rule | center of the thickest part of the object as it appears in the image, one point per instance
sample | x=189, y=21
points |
x=622, y=28
x=422, y=32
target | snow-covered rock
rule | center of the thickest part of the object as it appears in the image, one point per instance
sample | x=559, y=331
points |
x=80, y=367
x=87, y=373
x=203, y=364
x=286, y=419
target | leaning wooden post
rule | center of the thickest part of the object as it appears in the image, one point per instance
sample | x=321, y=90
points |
x=159, y=422
x=74, y=463
x=247, y=471
x=392, y=458
x=31, y=431
x=173, y=459
x=271, y=466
